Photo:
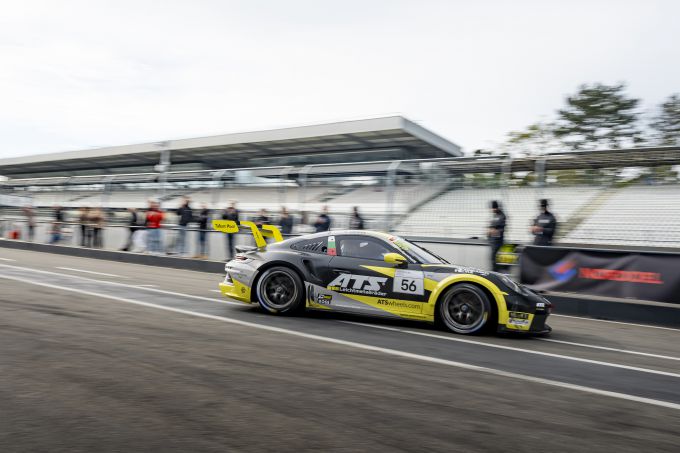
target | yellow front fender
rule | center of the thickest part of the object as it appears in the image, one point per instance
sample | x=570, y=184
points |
x=498, y=295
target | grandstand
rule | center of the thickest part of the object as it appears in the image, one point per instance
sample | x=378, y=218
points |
x=410, y=181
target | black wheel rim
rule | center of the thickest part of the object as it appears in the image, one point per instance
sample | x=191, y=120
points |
x=279, y=289
x=463, y=310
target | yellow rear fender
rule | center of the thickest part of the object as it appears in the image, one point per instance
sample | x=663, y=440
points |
x=496, y=293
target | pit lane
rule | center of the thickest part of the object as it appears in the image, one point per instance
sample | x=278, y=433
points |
x=328, y=383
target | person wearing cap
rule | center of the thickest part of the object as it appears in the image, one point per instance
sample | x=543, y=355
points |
x=544, y=225
x=496, y=232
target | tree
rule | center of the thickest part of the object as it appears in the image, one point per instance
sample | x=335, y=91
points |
x=597, y=116
x=667, y=122
x=538, y=138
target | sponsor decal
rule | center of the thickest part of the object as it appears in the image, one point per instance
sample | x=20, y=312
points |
x=563, y=270
x=507, y=254
x=540, y=304
x=358, y=284
x=324, y=299
x=590, y=273
x=400, y=305
x=516, y=318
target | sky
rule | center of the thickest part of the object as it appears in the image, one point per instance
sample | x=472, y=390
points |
x=85, y=74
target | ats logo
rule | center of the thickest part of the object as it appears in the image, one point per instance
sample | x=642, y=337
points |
x=563, y=270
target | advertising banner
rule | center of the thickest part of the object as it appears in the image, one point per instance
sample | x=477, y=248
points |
x=609, y=273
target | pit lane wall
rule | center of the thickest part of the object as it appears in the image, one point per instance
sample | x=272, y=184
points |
x=622, y=274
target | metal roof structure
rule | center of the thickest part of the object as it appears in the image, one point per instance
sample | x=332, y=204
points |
x=386, y=138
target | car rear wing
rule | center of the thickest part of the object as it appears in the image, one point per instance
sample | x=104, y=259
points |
x=265, y=231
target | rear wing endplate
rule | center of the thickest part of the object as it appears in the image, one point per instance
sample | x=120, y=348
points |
x=266, y=231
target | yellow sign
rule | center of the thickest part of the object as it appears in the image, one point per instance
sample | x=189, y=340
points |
x=225, y=226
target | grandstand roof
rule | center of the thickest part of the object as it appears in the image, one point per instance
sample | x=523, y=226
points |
x=393, y=137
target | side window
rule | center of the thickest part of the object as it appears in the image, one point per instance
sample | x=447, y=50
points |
x=362, y=247
x=317, y=245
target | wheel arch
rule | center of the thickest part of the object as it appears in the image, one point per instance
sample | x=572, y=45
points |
x=269, y=265
x=490, y=289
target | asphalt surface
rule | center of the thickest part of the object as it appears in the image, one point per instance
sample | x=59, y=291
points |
x=107, y=356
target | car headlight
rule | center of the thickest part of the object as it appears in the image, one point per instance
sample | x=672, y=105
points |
x=510, y=283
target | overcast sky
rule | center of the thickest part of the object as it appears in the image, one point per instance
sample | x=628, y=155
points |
x=83, y=74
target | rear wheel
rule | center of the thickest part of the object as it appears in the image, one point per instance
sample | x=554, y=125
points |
x=280, y=290
x=464, y=308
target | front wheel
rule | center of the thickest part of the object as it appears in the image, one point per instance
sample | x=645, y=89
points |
x=280, y=290
x=464, y=308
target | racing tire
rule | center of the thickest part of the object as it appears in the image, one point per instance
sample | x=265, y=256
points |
x=280, y=291
x=464, y=308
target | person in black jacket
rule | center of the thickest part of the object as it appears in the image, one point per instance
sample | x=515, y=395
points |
x=186, y=216
x=323, y=222
x=231, y=213
x=544, y=225
x=133, y=227
x=285, y=221
x=203, y=221
x=356, y=222
x=496, y=232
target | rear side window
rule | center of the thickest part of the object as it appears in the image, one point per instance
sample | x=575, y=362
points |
x=317, y=245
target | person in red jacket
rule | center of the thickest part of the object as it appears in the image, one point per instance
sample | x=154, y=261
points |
x=154, y=217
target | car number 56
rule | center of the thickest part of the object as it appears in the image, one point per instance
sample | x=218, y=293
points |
x=408, y=282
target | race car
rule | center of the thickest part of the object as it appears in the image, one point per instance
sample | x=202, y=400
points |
x=376, y=274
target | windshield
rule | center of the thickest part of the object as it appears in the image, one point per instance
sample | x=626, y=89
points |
x=417, y=252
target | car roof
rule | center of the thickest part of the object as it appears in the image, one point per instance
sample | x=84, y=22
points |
x=371, y=233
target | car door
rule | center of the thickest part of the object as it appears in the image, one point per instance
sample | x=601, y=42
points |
x=363, y=280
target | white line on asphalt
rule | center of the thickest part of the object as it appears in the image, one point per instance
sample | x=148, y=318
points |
x=617, y=322
x=605, y=348
x=512, y=348
x=146, y=286
x=216, y=291
x=125, y=285
x=367, y=347
x=88, y=272
x=6, y=259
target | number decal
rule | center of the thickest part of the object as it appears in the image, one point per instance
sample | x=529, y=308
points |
x=408, y=282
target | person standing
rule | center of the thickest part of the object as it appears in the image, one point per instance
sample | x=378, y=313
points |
x=203, y=221
x=231, y=213
x=323, y=222
x=285, y=222
x=55, y=233
x=356, y=222
x=84, y=220
x=30, y=221
x=154, y=217
x=133, y=227
x=496, y=232
x=262, y=218
x=97, y=221
x=544, y=225
x=186, y=215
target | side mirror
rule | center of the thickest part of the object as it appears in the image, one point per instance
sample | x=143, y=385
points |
x=394, y=258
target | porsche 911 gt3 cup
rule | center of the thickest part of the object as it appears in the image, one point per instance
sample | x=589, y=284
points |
x=376, y=274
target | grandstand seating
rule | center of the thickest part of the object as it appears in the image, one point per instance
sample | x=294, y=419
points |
x=634, y=215
x=465, y=213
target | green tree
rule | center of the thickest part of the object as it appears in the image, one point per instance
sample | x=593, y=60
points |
x=599, y=115
x=538, y=138
x=667, y=123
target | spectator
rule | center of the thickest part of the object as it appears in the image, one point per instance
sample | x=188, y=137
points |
x=30, y=221
x=496, y=232
x=323, y=222
x=133, y=227
x=186, y=215
x=231, y=213
x=55, y=231
x=85, y=232
x=356, y=222
x=154, y=217
x=97, y=221
x=286, y=222
x=544, y=225
x=262, y=218
x=203, y=221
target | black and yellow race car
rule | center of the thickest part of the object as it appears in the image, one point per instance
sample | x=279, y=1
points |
x=376, y=274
